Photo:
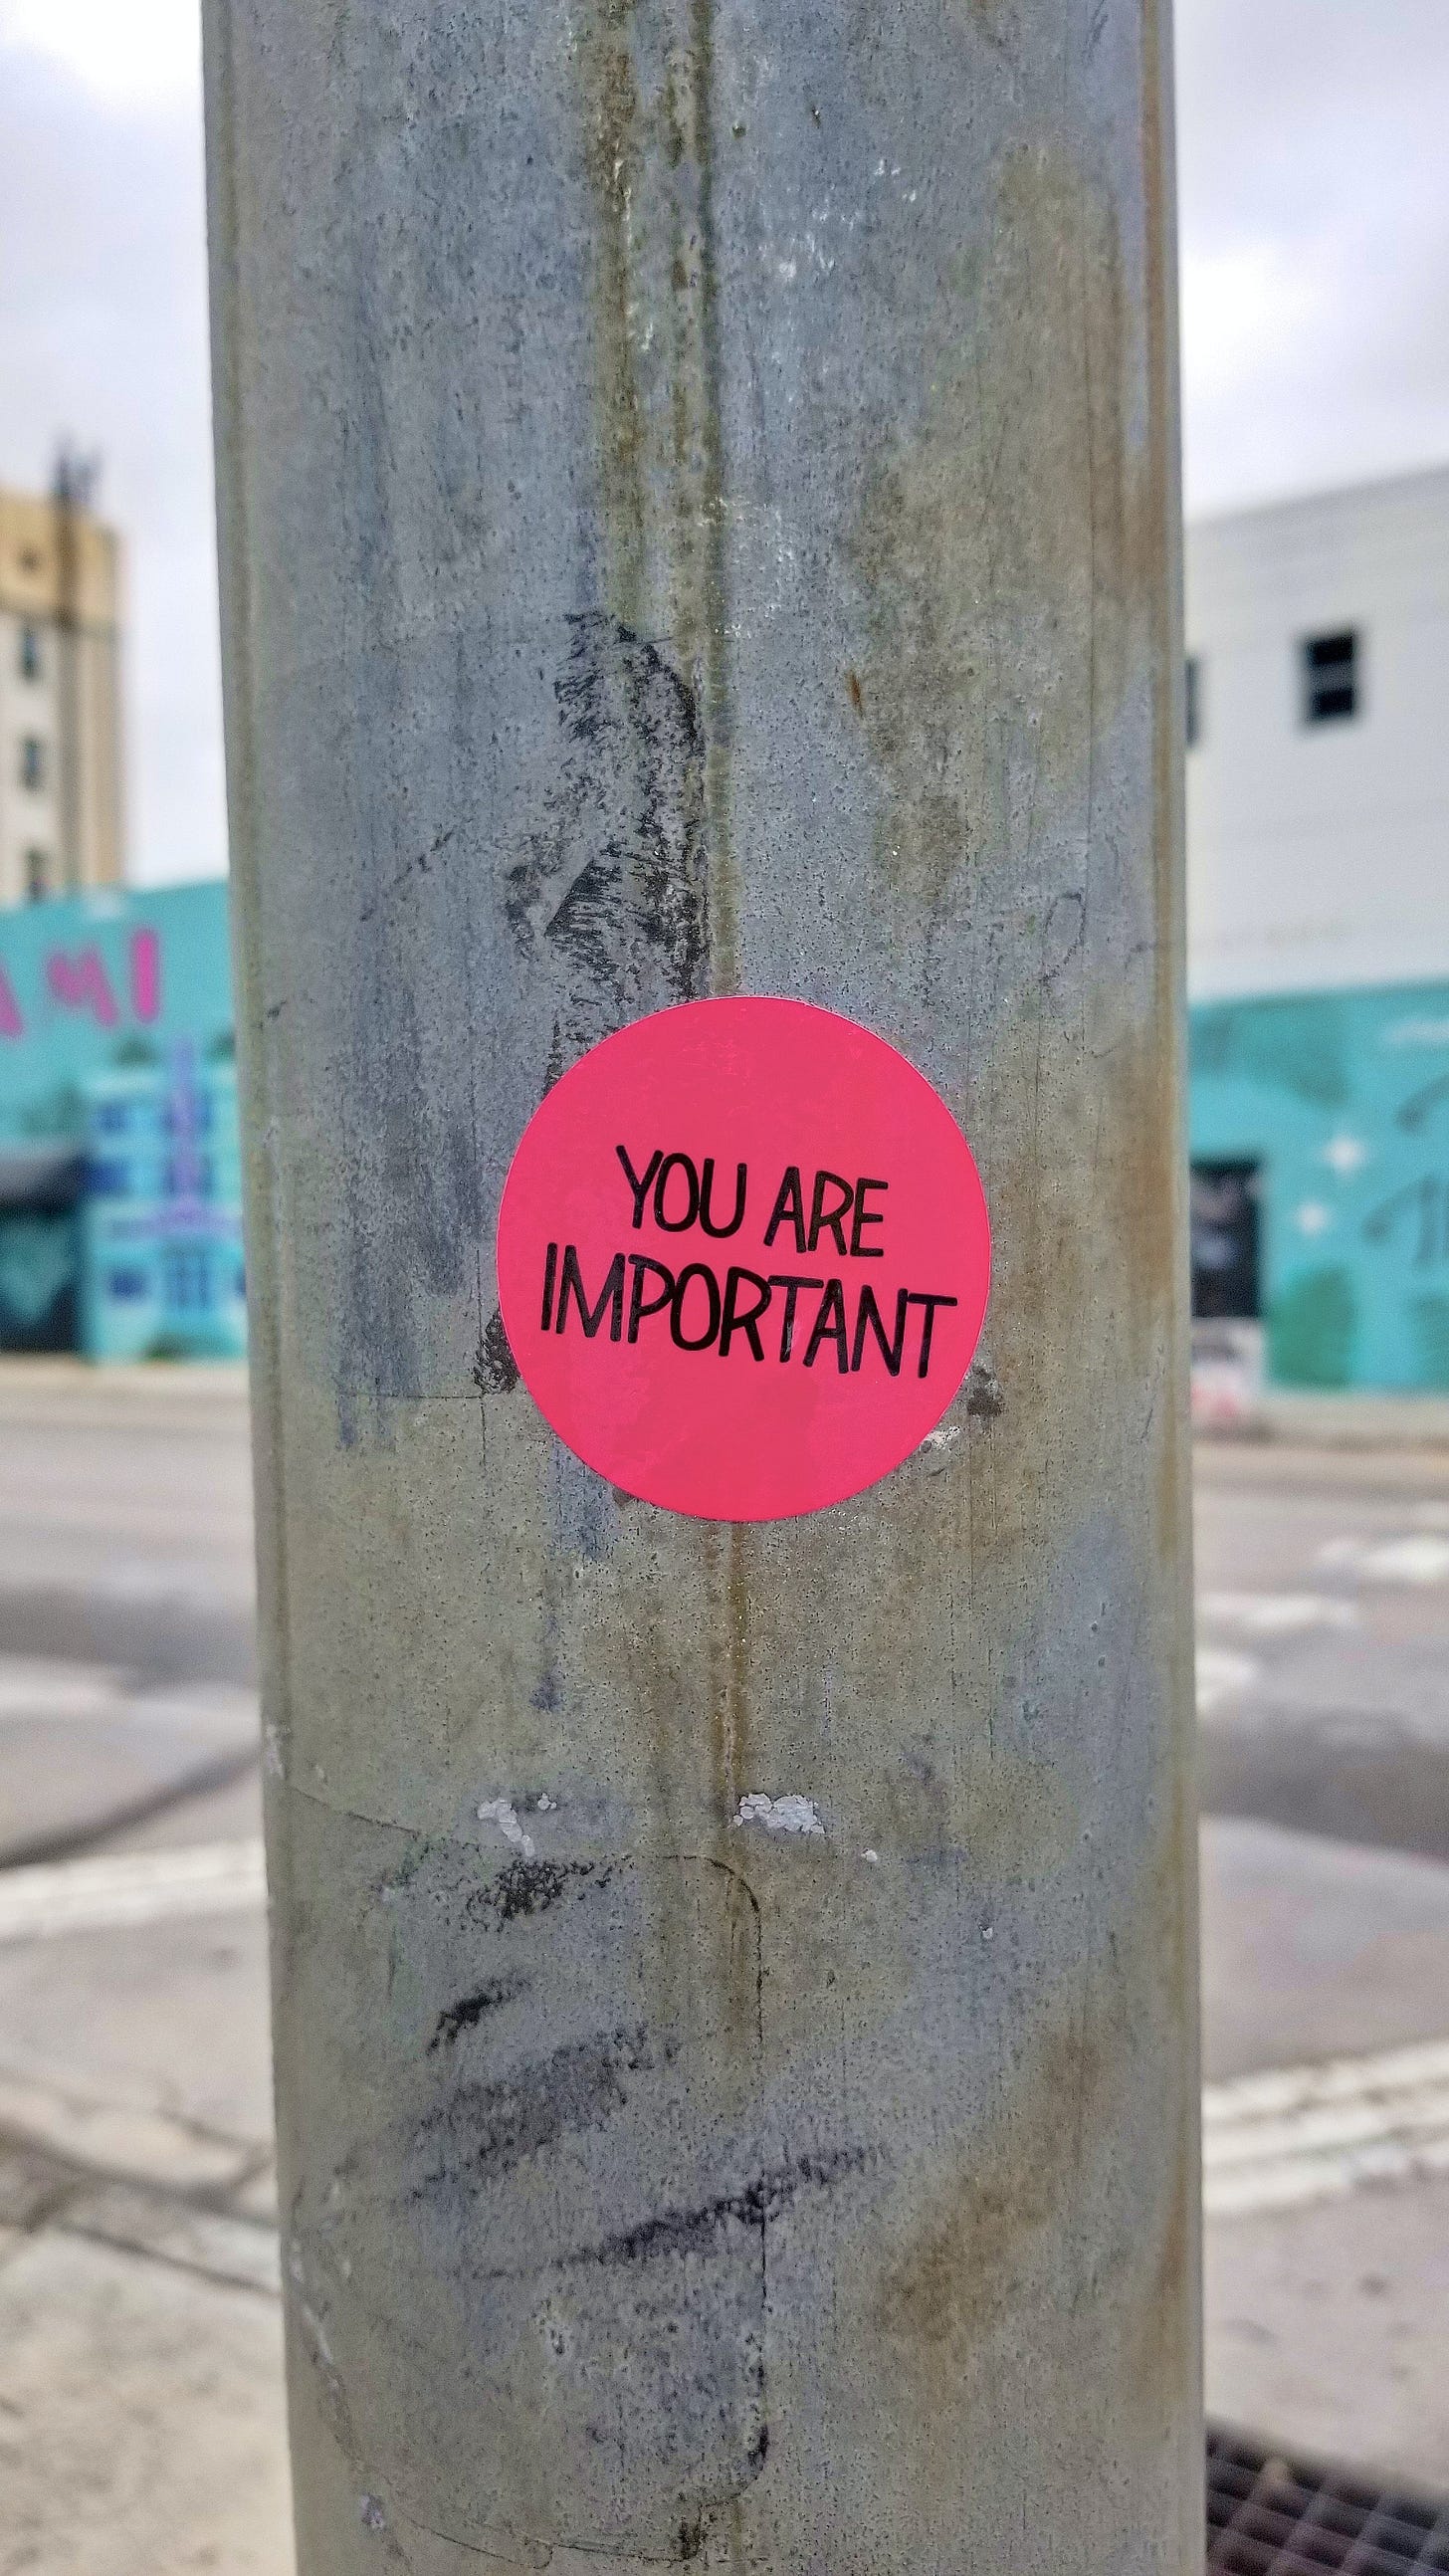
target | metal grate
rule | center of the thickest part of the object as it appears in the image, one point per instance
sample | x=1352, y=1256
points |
x=1271, y=2516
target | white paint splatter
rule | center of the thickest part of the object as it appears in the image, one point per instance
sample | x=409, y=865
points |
x=874, y=1858
x=1345, y=1155
x=502, y=1813
x=544, y=1804
x=1312, y=1217
x=942, y=1436
x=788, y=1815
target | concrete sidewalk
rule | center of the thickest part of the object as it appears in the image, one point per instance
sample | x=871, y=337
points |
x=141, y=2414
x=1326, y=1419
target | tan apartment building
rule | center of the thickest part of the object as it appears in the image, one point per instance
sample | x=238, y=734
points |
x=60, y=714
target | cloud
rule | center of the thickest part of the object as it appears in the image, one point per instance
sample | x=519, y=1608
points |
x=1315, y=242
x=103, y=339
x=130, y=53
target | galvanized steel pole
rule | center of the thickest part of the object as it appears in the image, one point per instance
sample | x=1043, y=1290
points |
x=699, y=514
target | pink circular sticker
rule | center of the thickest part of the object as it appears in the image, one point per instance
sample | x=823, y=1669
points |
x=743, y=1258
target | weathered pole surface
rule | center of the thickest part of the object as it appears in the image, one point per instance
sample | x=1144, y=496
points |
x=698, y=506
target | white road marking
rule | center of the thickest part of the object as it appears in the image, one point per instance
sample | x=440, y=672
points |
x=1416, y=1557
x=1221, y=1675
x=106, y=1894
x=1312, y=2133
x=1276, y=1614
x=35, y=1687
x=1278, y=2140
x=43, y=1689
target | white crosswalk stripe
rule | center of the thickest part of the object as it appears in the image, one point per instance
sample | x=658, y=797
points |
x=1312, y=2133
x=107, y=1893
x=1276, y=2140
x=1275, y=1614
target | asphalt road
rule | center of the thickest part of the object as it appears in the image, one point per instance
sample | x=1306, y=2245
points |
x=137, y=2221
x=1323, y=1618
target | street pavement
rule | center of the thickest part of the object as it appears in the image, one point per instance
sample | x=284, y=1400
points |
x=141, y=2426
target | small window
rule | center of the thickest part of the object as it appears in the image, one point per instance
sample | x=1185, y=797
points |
x=1194, y=700
x=128, y=1283
x=189, y=1176
x=113, y=1117
x=37, y=875
x=187, y=1278
x=29, y=651
x=1329, y=676
x=32, y=761
x=190, y=1115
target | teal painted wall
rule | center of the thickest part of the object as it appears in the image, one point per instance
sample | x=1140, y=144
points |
x=1344, y=1098
x=100, y=982
x=161, y=1267
x=116, y=1039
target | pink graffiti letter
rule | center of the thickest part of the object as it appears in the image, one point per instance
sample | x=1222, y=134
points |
x=82, y=984
x=146, y=974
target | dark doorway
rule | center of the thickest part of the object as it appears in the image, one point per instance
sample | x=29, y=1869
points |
x=1224, y=1229
x=39, y=1247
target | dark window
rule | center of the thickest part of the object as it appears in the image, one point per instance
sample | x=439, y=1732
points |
x=113, y=1117
x=108, y=1179
x=1224, y=1227
x=128, y=1283
x=32, y=761
x=1329, y=676
x=37, y=876
x=188, y=1279
x=190, y=1116
x=189, y=1176
x=29, y=652
x=1194, y=700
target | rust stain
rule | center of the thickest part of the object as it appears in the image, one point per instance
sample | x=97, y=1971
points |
x=649, y=109
x=611, y=120
x=1012, y=1816
x=962, y=2270
x=1005, y=546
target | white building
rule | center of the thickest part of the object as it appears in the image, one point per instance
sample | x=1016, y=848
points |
x=1318, y=936
x=1318, y=766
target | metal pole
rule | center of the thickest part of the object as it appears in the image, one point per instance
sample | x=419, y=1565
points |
x=699, y=513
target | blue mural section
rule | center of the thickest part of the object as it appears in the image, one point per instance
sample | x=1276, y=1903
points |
x=161, y=1270
x=1332, y=1109
x=120, y=1192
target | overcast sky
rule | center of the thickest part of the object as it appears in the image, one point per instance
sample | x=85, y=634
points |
x=1315, y=241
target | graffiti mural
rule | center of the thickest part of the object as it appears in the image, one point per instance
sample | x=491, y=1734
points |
x=1342, y=1102
x=120, y=1217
